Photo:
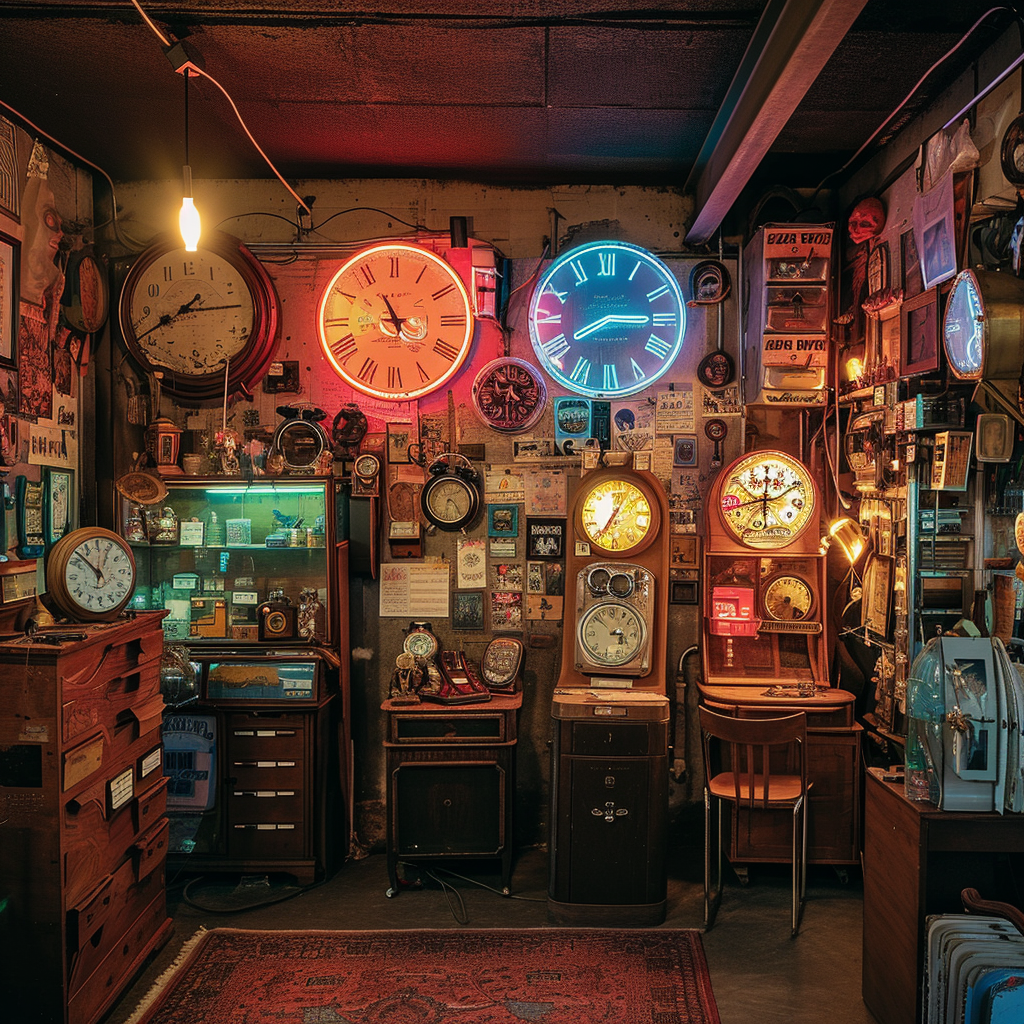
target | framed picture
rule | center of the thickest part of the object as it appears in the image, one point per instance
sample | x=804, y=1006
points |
x=878, y=579
x=545, y=538
x=400, y=437
x=468, y=610
x=8, y=302
x=919, y=334
x=502, y=520
x=913, y=282
x=58, y=504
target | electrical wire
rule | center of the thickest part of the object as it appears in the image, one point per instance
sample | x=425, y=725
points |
x=371, y=209
x=205, y=74
x=128, y=243
x=910, y=95
x=187, y=897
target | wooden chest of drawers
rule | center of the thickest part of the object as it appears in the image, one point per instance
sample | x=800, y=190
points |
x=83, y=830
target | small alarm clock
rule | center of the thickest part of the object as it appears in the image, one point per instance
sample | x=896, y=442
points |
x=277, y=619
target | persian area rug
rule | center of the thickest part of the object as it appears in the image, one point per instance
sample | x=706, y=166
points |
x=540, y=975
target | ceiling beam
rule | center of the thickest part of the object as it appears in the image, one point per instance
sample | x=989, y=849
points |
x=791, y=44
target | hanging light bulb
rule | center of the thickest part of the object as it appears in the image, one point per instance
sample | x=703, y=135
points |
x=188, y=218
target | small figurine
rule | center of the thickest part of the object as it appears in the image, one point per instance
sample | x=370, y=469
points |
x=405, y=680
x=227, y=449
x=309, y=608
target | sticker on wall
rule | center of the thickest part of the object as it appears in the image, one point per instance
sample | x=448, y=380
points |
x=545, y=538
x=506, y=576
x=632, y=426
x=503, y=521
x=472, y=563
x=675, y=411
x=506, y=610
x=541, y=606
x=546, y=491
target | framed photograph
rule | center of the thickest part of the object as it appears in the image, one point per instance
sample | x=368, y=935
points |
x=545, y=538
x=59, y=503
x=468, y=610
x=8, y=302
x=913, y=282
x=919, y=334
x=502, y=520
x=399, y=437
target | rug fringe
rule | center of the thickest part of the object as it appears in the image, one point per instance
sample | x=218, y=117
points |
x=161, y=983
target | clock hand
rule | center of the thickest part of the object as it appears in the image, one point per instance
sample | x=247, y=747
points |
x=203, y=309
x=166, y=318
x=394, y=317
x=611, y=318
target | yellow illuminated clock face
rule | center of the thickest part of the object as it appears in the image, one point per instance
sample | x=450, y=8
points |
x=787, y=598
x=616, y=516
x=395, y=321
x=767, y=500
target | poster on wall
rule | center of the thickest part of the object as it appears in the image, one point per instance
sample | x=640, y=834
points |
x=8, y=300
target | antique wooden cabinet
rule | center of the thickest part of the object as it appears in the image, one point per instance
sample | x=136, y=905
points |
x=451, y=783
x=253, y=577
x=83, y=833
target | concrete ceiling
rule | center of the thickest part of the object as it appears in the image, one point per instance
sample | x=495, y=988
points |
x=685, y=94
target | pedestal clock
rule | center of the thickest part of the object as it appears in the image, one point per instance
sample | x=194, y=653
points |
x=765, y=650
x=610, y=750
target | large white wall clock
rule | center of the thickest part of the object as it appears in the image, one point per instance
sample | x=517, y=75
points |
x=395, y=321
x=607, y=319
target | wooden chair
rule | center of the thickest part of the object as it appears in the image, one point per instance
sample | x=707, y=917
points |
x=739, y=768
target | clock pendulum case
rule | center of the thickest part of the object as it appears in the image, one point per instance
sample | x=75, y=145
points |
x=610, y=712
x=764, y=645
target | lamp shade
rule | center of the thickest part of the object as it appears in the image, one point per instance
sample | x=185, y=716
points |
x=847, y=534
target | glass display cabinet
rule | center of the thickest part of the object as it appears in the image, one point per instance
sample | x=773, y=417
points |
x=230, y=561
x=254, y=585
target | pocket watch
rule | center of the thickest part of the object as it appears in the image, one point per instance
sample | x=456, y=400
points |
x=607, y=319
x=420, y=641
x=187, y=314
x=611, y=634
x=395, y=321
x=451, y=498
x=767, y=500
x=90, y=573
x=616, y=513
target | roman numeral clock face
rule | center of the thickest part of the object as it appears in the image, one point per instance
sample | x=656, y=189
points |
x=396, y=321
x=607, y=319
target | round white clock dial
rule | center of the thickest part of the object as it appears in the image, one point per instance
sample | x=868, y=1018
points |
x=612, y=634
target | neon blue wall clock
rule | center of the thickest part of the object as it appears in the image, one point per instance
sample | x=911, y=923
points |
x=607, y=319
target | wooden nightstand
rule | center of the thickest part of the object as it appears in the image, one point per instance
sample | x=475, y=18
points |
x=451, y=783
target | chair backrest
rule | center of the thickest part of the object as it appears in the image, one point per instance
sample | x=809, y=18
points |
x=749, y=743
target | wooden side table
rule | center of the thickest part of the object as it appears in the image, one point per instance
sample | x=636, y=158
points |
x=450, y=783
x=917, y=859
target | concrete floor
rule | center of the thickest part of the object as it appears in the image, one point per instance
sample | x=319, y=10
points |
x=759, y=974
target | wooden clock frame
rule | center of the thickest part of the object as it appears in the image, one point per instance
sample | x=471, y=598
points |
x=652, y=555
